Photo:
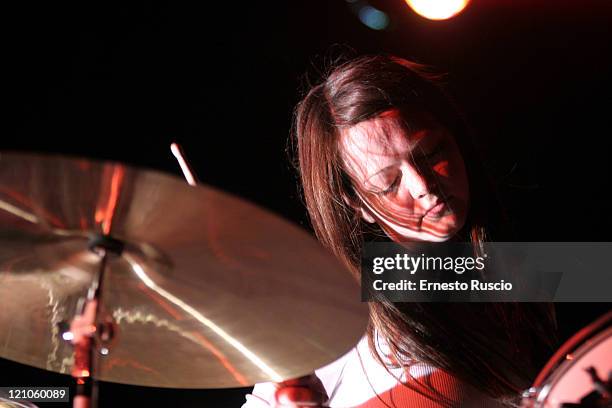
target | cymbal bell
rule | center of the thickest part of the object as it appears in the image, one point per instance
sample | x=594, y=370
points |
x=209, y=291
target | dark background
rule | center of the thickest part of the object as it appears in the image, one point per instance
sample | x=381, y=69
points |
x=121, y=81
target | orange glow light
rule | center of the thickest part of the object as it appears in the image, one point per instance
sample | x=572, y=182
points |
x=437, y=9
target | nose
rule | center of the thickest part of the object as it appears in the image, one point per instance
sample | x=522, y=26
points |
x=417, y=185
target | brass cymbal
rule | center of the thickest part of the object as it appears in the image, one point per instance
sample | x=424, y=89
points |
x=209, y=292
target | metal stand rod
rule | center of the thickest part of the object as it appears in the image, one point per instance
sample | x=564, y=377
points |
x=84, y=327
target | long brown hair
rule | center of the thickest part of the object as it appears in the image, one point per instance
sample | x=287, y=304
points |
x=495, y=347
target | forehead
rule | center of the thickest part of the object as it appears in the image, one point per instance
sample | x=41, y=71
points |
x=372, y=145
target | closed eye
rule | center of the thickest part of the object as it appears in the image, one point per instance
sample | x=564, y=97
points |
x=392, y=187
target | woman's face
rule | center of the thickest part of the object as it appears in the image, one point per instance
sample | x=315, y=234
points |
x=413, y=184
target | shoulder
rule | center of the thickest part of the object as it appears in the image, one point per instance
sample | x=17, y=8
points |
x=359, y=376
x=352, y=380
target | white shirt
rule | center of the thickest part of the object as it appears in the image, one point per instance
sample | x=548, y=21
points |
x=357, y=378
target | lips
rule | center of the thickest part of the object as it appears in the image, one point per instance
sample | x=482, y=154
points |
x=437, y=210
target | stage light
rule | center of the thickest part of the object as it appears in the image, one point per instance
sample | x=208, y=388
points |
x=373, y=18
x=68, y=336
x=437, y=9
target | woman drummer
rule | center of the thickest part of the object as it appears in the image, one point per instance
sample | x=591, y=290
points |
x=382, y=152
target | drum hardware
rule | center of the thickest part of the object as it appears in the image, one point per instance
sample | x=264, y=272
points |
x=85, y=332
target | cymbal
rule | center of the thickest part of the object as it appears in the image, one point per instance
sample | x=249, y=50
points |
x=210, y=291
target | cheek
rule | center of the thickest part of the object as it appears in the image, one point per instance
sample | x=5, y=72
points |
x=393, y=204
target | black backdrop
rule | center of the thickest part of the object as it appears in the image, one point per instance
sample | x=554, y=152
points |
x=121, y=81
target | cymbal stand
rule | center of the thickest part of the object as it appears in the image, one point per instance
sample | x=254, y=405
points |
x=86, y=333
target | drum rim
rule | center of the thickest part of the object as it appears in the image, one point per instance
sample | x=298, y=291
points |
x=551, y=380
x=571, y=345
x=596, y=332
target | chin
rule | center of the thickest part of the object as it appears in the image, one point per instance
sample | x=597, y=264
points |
x=441, y=230
x=439, y=238
x=407, y=235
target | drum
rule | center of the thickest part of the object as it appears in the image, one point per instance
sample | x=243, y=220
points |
x=579, y=374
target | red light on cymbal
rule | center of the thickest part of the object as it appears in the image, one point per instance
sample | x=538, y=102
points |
x=437, y=9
